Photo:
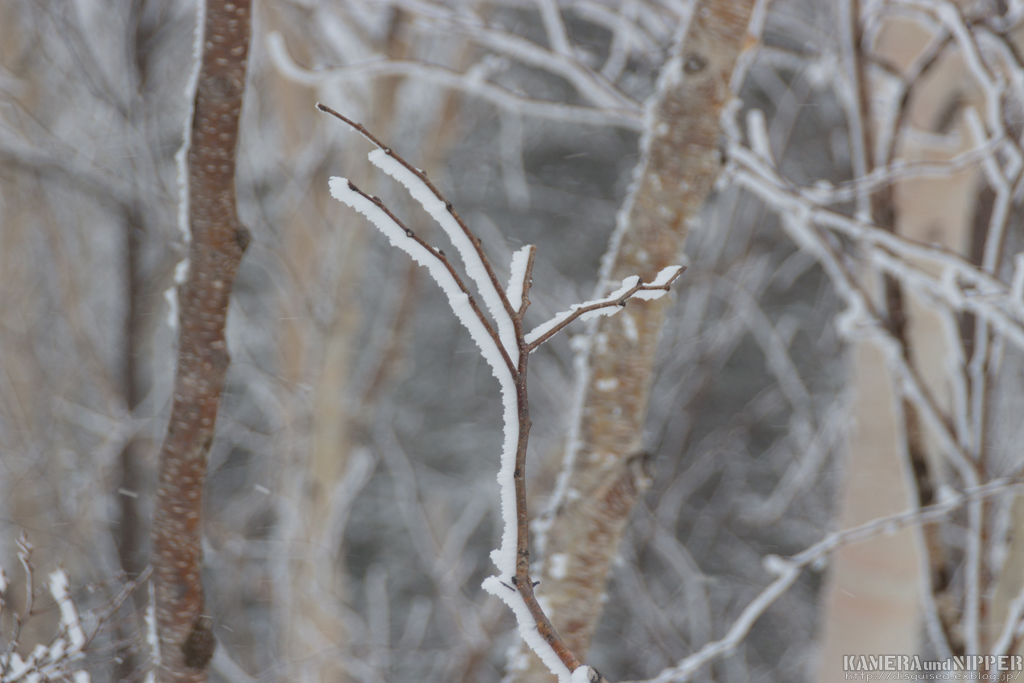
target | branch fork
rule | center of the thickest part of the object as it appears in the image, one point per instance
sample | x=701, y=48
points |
x=506, y=347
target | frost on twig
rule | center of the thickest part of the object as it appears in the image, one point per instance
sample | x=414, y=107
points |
x=63, y=657
x=632, y=288
x=922, y=262
x=499, y=335
x=787, y=570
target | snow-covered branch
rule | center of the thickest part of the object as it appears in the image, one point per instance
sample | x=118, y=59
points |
x=506, y=349
x=632, y=288
x=62, y=658
x=916, y=258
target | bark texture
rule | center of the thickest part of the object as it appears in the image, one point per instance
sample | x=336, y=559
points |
x=218, y=242
x=682, y=162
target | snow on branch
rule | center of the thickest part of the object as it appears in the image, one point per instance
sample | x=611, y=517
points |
x=497, y=347
x=519, y=270
x=958, y=283
x=632, y=288
x=946, y=282
x=62, y=658
x=478, y=270
x=560, y=60
x=438, y=266
x=506, y=349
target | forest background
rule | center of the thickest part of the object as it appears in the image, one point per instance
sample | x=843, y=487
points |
x=843, y=349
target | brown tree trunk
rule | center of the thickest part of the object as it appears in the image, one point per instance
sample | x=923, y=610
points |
x=218, y=241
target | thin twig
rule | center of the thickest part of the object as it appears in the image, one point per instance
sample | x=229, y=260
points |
x=788, y=570
x=527, y=284
x=463, y=82
x=437, y=193
x=443, y=258
x=118, y=600
x=620, y=302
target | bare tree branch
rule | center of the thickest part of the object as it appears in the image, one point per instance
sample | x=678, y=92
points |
x=788, y=570
x=513, y=557
x=469, y=83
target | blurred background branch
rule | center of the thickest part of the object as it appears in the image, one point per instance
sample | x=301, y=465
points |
x=845, y=344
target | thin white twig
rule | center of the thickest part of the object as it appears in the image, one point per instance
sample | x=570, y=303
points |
x=554, y=27
x=443, y=76
x=632, y=288
x=513, y=173
x=788, y=570
x=961, y=286
x=847, y=89
x=590, y=85
x=798, y=219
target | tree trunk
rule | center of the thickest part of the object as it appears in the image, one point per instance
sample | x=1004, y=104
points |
x=680, y=165
x=218, y=242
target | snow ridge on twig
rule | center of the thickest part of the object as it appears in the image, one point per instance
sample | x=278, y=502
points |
x=59, y=659
x=631, y=288
x=477, y=271
x=506, y=350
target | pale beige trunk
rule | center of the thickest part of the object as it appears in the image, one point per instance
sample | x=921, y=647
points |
x=873, y=603
x=314, y=359
x=329, y=464
x=682, y=163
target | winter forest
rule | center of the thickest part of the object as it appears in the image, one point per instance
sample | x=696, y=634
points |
x=271, y=273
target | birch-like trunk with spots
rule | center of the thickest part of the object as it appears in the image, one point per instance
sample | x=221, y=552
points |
x=681, y=161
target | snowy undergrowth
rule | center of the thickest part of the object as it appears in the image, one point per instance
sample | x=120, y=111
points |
x=62, y=658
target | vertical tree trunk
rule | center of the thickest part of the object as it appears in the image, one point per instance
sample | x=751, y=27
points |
x=873, y=600
x=218, y=241
x=680, y=165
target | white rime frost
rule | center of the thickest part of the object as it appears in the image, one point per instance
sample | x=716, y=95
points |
x=475, y=268
x=181, y=156
x=56, y=661
x=502, y=588
x=501, y=309
x=504, y=557
x=181, y=161
x=663, y=277
x=151, y=636
x=582, y=675
x=68, y=613
x=517, y=277
x=457, y=299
